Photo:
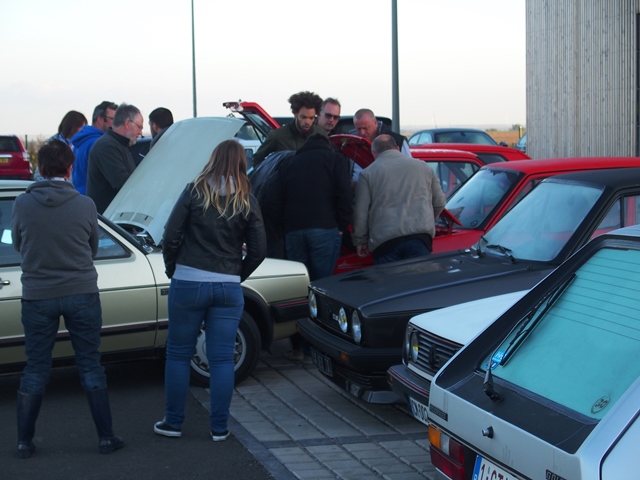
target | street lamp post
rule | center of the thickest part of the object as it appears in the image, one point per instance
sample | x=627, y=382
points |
x=193, y=61
x=395, y=95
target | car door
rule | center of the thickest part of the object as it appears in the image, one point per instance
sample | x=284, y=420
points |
x=127, y=292
x=11, y=332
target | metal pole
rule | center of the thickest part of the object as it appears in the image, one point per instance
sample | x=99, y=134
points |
x=193, y=61
x=395, y=95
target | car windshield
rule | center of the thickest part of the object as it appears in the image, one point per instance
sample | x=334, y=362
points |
x=542, y=223
x=577, y=347
x=464, y=137
x=474, y=201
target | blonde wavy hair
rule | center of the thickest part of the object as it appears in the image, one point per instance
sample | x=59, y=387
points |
x=223, y=182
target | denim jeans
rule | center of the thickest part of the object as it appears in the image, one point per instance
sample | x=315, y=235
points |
x=218, y=306
x=411, y=248
x=83, y=319
x=317, y=248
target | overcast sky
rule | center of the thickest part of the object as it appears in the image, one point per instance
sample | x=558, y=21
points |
x=461, y=63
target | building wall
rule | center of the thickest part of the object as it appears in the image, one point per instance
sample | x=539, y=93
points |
x=582, y=78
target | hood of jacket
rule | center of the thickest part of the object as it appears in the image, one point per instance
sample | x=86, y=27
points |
x=52, y=193
x=88, y=132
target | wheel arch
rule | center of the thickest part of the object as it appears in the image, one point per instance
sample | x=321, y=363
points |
x=255, y=305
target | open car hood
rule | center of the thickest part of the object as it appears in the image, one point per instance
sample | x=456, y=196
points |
x=356, y=148
x=148, y=196
x=254, y=114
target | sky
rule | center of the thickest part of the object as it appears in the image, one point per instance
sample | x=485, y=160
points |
x=460, y=63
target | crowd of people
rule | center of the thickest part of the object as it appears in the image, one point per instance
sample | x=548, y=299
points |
x=214, y=239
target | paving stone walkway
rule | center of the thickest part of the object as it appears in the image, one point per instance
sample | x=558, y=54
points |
x=300, y=426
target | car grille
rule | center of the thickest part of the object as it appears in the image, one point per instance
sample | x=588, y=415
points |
x=434, y=351
x=327, y=308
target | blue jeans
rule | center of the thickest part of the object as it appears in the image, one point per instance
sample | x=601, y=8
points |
x=83, y=319
x=218, y=306
x=317, y=248
x=411, y=248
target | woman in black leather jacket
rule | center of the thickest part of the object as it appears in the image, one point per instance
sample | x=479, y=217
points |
x=203, y=255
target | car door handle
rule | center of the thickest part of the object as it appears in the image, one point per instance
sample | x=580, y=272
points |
x=5, y=282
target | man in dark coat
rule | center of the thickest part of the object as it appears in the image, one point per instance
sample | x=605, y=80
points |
x=110, y=162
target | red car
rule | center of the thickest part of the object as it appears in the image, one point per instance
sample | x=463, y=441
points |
x=14, y=159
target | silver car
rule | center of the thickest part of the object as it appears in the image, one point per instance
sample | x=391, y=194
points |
x=551, y=389
x=133, y=285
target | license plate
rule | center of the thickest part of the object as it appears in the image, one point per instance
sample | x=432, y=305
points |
x=485, y=470
x=4, y=160
x=419, y=411
x=322, y=362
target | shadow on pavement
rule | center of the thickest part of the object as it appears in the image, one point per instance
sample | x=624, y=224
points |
x=67, y=444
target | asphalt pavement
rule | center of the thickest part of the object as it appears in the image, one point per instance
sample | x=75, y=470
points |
x=288, y=422
x=67, y=444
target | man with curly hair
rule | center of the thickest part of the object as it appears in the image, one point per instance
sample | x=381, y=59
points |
x=305, y=106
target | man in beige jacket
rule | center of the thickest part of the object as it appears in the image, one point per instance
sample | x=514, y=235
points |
x=397, y=202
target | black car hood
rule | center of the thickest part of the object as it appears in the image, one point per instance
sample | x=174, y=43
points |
x=418, y=285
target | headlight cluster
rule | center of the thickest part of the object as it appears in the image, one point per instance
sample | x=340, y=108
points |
x=411, y=345
x=341, y=317
x=313, y=305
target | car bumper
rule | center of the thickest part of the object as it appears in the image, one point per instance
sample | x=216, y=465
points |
x=357, y=370
x=412, y=388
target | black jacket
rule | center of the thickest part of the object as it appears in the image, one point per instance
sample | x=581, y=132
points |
x=207, y=241
x=312, y=189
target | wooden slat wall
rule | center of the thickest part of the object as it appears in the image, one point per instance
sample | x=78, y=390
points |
x=582, y=95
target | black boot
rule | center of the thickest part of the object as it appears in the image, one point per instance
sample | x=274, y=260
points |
x=101, y=412
x=28, y=409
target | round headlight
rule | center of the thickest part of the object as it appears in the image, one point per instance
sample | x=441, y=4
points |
x=406, y=347
x=342, y=320
x=356, y=327
x=414, y=347
x=313, y=305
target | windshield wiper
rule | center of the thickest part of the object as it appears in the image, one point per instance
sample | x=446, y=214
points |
x=526, y=326
x=504, y=250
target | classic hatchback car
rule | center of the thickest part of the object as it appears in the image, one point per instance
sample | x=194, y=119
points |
x=452, y=135
x=432, y=338
x=552, y=388
x=14, y=159
x=357, y=320
x=131, y=278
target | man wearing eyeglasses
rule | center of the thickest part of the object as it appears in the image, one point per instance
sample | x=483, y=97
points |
x=329, y=115
x=83, y=142
x=304, y=106
x=110, y=162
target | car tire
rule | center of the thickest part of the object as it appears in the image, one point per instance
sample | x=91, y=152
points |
x=246, y=352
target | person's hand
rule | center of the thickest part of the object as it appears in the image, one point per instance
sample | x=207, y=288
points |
x=363, y=251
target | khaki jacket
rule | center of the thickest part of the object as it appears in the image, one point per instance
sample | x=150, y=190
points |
x=396, y=196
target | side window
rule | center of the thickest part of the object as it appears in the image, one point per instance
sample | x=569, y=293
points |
x=623, y=213
x=8, y=255
x=109, y=247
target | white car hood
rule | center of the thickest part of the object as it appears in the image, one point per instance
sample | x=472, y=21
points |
x=461, y=323
x=148, y=196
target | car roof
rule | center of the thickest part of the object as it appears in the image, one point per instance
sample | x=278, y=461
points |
x=569, y=164
x=443, y=153
x=449, y=129
x=609, y=177
x=14, y=184
x=507, y=153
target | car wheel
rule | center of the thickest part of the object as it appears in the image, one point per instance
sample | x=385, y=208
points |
x=246, y=352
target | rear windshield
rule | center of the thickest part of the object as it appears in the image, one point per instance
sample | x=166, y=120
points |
x=581, y=348
x=9, y=144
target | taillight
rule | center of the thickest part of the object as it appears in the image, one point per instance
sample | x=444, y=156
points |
x=25, y=156
x=447, y=455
